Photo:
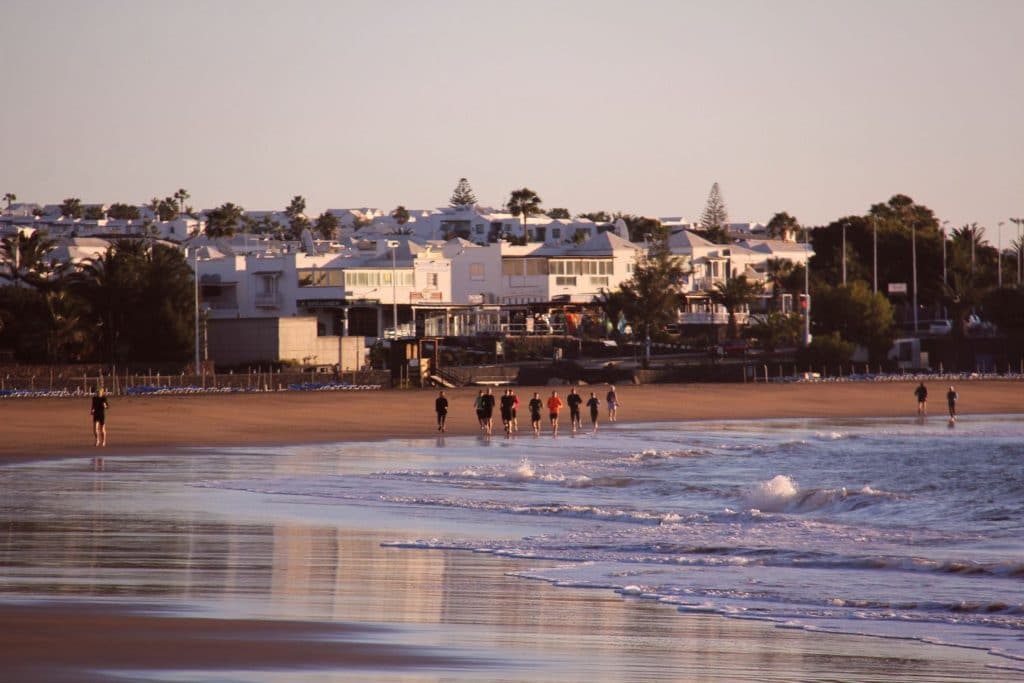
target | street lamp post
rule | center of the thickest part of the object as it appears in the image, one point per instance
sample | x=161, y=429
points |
x=913, y=267
x=1020, y=246
x=393, y=246
x=195, y=281
x=807, y=289
x=874, y=253
x=844, y=254
x=999, y=254
x=943, y=228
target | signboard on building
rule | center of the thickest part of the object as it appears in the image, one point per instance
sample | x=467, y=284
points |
x=897, y=287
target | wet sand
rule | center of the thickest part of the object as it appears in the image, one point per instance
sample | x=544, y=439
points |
x=95, y=587
x=41, y=427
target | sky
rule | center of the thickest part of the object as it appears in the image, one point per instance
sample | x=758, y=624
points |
x=815, y=107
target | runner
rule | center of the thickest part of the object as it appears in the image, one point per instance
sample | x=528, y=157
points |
x=554, y=406
x=613, y=403
x=536, y=405
x=507, y=402
x=573, y=400
x=594, y=403
x=441, y=407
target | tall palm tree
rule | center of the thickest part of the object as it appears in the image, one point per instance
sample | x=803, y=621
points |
x=524, y=202
x=779, y=271
x=732, y=295
x=181, y=195
x=969, y=238
x=961, y=294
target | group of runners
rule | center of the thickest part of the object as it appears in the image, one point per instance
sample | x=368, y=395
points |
x=508, y=406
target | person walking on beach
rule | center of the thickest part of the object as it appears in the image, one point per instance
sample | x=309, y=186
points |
x=441, y=407
x=951, y=397
x=100, y=406
x=478, y=404
x=488, y=405
x=613, y=403
x=554, y=406
x=594, y=403
x=921, y=392
x=536, y=405
x=507, y=402
x=574, y=400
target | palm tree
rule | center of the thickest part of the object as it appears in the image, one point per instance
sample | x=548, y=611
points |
x=733, y=294
x=779, y=271
x=961, y=294
x=224, y=220
x=524, y=202
x=783, y=226
x=72, y=208
x=969, y=237
x=181, y=195
x=400, y=214
x=25, y=259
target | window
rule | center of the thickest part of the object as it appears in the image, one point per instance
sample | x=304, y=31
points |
x=431, y=279
x=476, y=271
x=599, y=281
x=315, y=277
x=479, y=229
x=536, y=266
x=376, y=278
x=556, y=233
x=512, y=267
x=565, y=281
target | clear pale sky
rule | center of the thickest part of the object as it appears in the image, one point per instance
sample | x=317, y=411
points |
x=818, y=108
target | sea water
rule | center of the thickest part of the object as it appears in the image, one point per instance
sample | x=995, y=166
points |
x=889, y=528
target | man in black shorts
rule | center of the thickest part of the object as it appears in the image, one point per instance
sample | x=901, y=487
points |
x=536, y=406
x=594, y=403
x=487, y=402
x=507, y=405
x=441, y=407
x=100, y=405
x=574, y=400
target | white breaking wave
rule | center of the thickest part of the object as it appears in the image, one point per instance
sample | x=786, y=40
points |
x=783, y=494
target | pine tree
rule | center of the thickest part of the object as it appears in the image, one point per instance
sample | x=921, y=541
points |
x=462, y=195
x=715, y=216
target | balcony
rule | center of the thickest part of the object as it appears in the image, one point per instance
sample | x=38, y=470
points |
x=268, y=300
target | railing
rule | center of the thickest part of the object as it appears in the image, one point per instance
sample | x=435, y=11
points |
x=268, y=300
x=712, y=318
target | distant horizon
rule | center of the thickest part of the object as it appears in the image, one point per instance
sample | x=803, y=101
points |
x=815, y=109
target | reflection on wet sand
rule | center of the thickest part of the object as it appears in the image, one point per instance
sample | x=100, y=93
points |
x=129, y=570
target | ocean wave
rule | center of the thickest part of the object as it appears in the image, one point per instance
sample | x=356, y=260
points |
x=782, y=494
x=545, y=509
x=525, y=472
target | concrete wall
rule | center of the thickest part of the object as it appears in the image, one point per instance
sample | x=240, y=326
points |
x=267, y=340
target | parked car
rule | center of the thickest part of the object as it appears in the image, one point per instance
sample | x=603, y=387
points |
x=735, y=348
x=940, y=327
x=978, y=327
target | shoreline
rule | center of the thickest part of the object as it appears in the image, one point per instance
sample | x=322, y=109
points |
x=60, y=427
x=335, y=598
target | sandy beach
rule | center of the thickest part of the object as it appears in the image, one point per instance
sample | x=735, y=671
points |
x=94, y=588
x=41, y=427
